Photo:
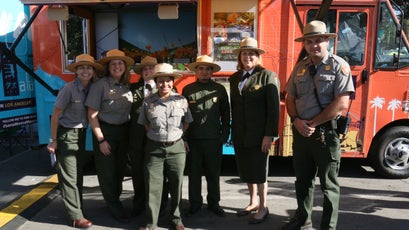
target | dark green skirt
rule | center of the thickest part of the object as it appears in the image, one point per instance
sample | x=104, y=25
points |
x=252, y=165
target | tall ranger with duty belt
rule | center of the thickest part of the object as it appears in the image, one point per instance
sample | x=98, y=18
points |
x=166, y=116
x=317, y=92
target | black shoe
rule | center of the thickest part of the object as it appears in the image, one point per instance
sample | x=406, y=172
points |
x=296, y=224
x=254, y=220
x=217, y=210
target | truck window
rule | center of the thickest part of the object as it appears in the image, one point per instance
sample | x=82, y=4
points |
x=135, y=28
x=351, y=41
x=391, y=50
x=352, y=37
x=74, y=38
x=231, y=21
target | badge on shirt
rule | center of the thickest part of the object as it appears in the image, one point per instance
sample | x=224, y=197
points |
x=302, y=72
x=192, y=102
x=256, y=87
x=327, y=68
x=214, y=99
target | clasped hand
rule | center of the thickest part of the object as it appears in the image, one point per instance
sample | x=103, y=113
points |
x=304, y=127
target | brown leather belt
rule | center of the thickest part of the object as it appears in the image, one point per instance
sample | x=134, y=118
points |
x=166, y=143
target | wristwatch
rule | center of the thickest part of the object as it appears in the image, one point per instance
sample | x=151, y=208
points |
x=292, y=118
x=52, y=140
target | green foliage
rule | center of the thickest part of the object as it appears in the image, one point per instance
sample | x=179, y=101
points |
x=74, y=36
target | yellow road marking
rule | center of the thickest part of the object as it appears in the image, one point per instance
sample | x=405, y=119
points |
x=18, y=206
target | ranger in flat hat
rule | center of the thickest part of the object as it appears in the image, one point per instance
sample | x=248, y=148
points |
x=68, y=128
x=209, y=104
x=166, y=116
x=317, y=92
x=109, y=103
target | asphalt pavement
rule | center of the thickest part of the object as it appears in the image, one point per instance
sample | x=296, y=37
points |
x=367, y=202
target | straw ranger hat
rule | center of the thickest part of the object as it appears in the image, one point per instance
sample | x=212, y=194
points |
x=84, y=59
x=164, y=70
x=146, y=61
x=249, y=44
x=204, y=60
x=314, y=29
x=116, y=54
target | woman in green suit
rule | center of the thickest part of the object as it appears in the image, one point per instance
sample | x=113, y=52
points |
x=255, y=101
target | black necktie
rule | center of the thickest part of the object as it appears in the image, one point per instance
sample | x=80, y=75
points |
x=247, y=75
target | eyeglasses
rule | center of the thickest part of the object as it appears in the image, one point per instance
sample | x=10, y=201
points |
x=312, y=70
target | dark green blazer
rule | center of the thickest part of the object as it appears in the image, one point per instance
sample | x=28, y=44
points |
x=137, y=90
x=255, y=111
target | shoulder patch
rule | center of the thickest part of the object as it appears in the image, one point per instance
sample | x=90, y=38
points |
x=345, y=70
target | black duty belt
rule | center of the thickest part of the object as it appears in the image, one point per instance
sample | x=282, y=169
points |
x=327, y=125
x=109, y=124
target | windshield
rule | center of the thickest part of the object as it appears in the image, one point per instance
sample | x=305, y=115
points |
x=391, y=47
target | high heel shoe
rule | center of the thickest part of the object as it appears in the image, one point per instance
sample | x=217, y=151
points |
x=245, y=212
x=254, y=220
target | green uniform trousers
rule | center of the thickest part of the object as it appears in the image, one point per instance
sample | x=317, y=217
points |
x=205, y=156
x=313, y=157
x=71, y=158
x=160, y=158
x=111, y=169
x=137, y=142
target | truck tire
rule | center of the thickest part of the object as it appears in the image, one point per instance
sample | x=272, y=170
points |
x=390, y=155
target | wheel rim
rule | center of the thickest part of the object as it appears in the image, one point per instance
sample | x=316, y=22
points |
x=397, y=154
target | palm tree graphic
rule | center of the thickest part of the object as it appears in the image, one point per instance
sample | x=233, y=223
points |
x=377, y=102
x=394, y=104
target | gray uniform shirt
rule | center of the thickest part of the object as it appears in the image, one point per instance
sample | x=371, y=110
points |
x=112, y=100
x=333, y=77
x=165, y=117
x=71, y=100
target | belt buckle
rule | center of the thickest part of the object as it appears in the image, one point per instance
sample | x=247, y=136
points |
x=168, y=143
